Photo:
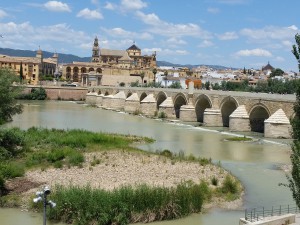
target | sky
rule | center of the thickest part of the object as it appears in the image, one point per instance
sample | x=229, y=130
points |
x=231, y=33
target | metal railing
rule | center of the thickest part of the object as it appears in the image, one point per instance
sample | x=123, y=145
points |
x=256, y=214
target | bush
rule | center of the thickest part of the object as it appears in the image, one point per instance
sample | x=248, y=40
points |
x=35, y=94
x=11, y=143
x=229, y=185
x=11, y=170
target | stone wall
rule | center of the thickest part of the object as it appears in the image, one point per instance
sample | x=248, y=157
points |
x=62, y=93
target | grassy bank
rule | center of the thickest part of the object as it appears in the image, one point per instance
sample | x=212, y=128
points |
x=51, y=152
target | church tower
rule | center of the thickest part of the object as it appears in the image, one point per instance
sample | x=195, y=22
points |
x=96, y=51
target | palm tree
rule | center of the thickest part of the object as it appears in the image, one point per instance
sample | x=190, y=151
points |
x=165, y=78
x=142, y=75
x=154, y=71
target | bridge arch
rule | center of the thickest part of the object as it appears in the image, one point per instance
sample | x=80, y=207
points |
x=143, y=95
x=179, y=100
x=258, y=114
x=129, y=93
x=202, y=102
x=228, y=105
x=160, y=98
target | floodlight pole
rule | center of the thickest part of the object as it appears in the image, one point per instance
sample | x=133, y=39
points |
x=45, y=206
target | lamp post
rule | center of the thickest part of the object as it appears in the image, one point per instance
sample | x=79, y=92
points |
x=42, y=196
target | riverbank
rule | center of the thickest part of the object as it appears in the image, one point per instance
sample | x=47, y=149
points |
x=117, y=168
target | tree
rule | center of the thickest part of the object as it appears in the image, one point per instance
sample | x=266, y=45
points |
x=277, y=72
x=142, y=75
x=8, y=94
x=294, y=178
x=21, y=73
x=244, y=71
x=154, y=71
x=296, y=49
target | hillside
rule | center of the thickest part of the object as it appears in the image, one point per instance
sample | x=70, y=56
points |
x=69, y=58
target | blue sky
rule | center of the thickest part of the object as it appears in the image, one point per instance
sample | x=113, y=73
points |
x=232, y=33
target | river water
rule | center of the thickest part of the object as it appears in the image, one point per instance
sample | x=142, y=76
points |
x=254, y=163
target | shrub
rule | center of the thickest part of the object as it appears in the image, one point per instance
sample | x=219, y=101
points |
x=162, y=115
x=11, y=143
x=11, y=170
x=229, y=185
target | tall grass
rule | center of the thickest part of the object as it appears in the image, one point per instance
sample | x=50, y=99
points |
x=125, y=205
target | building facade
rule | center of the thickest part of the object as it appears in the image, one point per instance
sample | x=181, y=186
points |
x=32, y=67
x=112, y=66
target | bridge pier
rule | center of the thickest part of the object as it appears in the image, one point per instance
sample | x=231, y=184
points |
x=212, y=118
x=278, y=126
x=118, y=101
x=106, y=100
x=91, y=98
x=188, y=113
x=148, y=106
x=99, y=100
x=132, y=104
x=167, y=107
x=239, y=120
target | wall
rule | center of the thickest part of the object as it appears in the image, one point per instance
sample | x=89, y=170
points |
x=62, y=93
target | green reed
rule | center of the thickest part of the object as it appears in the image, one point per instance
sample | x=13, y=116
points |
x=84, y=205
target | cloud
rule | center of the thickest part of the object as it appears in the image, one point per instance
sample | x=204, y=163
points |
x=270, y=32
x=254, y=52
x=121, y=33
x=90, y=14
x=60, y=34
x=173, y=41
x=132, y=4
x=213, y=10
x=3, y=13
x=56, y=6
x=279, y=59
x=228, y=36
x=110, y=6
x=206, y=44
x=164, y=52
x=160, y=27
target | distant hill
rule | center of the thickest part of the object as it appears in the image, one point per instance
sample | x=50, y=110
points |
x=62, y=58
x=69, y=58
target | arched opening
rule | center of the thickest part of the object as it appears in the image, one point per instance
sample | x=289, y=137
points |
x=144, y=95
x=228, y=106
x=91, y=69
x=68, y=69
x=106, y=93
x=75, y=69
x=75, y=77
x=83, y=70
x=161, y=97
x=178, y=102
x=99, y=70
x=202, y=103
x=258, y=115
x=128, y=94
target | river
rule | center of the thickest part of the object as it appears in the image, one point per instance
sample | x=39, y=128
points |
x=254, y=163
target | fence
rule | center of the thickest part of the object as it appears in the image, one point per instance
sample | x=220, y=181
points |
x=256, y=214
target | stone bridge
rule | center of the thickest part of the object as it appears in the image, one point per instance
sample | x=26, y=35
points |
x=240, y=111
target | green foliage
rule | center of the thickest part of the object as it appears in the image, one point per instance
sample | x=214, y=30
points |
x=127, y=204
x=8, y=94
x=239, y=139
x=162, y=115
x=135, y=84
x=12, y=143
x=277, y=72
x=175, y=85
x=122, y=84
x=207, y=85
x=296, y=49
x=230, y=185
x=35, y=94
x=11, y=170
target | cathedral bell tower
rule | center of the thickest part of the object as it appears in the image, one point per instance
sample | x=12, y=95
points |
x=96, y=51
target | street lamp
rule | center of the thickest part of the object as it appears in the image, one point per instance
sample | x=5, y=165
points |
x=42, y=196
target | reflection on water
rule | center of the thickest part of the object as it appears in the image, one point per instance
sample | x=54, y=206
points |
x=252, y=162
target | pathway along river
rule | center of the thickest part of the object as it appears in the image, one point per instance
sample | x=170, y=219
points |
x=255, y=164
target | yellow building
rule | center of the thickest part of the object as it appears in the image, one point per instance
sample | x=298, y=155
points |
x=32, y=67
x=112, y=66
